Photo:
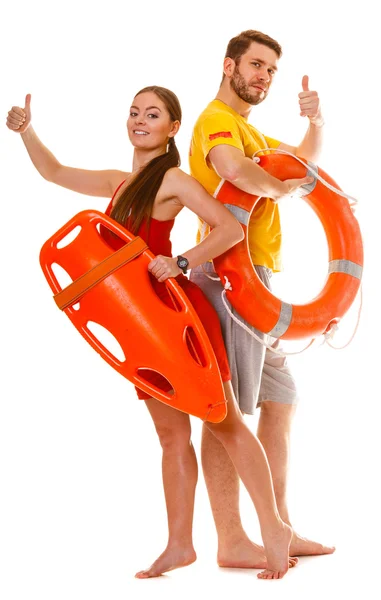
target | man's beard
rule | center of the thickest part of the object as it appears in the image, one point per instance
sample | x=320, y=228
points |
x=239, y=85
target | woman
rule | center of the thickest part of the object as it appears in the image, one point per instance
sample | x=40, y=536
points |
x=147, y=200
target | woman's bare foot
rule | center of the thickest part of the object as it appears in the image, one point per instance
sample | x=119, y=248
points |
x=300, y=546
x=173, y=557
x=277, y=551
x=244, y=554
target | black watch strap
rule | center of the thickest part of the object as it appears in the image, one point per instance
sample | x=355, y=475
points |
x=182, y=263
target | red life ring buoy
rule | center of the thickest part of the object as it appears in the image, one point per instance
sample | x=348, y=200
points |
x=249, y=296
x=113, y=289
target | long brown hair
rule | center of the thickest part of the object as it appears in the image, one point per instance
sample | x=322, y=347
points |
x=137, y=200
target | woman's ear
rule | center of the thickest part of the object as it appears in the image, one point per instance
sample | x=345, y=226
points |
x=174, y=129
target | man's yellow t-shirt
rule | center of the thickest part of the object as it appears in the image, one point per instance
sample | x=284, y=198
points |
x=220, y=124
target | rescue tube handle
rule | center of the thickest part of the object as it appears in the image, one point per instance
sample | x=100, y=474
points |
x=155, y=391
x=75, y=290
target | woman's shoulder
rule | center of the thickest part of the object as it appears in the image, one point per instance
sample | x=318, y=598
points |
x=175, y=183
x=180, y=182
x=175, y=175
x=119, y=183
x=119, y=177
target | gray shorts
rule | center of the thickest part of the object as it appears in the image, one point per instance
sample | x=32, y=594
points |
x=257, y=373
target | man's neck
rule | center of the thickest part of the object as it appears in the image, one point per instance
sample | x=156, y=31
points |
x=228, y=96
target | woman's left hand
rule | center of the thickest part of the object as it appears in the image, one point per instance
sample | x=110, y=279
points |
x=163, y=267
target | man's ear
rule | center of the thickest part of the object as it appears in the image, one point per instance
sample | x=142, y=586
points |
x=229, y=66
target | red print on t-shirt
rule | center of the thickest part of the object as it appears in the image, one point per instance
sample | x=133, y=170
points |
x=224, y=134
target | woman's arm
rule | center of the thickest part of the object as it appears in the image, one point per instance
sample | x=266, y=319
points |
x=91, y=183
x=226, y=230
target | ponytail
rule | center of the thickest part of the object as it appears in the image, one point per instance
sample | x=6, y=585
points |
x=137, y=200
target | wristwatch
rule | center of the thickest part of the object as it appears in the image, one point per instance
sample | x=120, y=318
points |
x=182, y=263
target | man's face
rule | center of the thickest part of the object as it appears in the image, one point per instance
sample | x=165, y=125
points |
x=253, y=75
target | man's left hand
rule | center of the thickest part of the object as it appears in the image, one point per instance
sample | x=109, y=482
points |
x=310, y=104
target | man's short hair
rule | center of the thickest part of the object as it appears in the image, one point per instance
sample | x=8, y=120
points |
x=241, y=43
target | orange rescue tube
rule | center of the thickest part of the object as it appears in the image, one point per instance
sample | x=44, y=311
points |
x=253, y=301
x=113, y=289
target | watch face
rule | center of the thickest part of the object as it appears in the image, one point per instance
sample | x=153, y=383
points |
x=182, y=263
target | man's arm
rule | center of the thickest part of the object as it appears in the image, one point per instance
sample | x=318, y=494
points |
x=232, y=165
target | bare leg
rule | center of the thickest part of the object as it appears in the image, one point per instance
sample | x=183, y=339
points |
x=234, y=547
x=274, y=428
x=179, y=479
x=249, y=459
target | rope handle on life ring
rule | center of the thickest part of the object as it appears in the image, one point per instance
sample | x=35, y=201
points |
x=328, y=335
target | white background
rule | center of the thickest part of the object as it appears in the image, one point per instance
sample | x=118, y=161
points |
x=81, y=504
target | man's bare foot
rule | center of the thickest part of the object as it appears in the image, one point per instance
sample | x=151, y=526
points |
x=172, y=558
x=277, y=551
x=300, y=546
x=244, y=554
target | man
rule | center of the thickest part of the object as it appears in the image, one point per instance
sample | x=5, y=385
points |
x=222, y=147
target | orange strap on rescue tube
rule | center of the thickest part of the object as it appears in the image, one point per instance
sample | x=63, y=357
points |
x=249, y=296
x=152, y=335
x=73, y=292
